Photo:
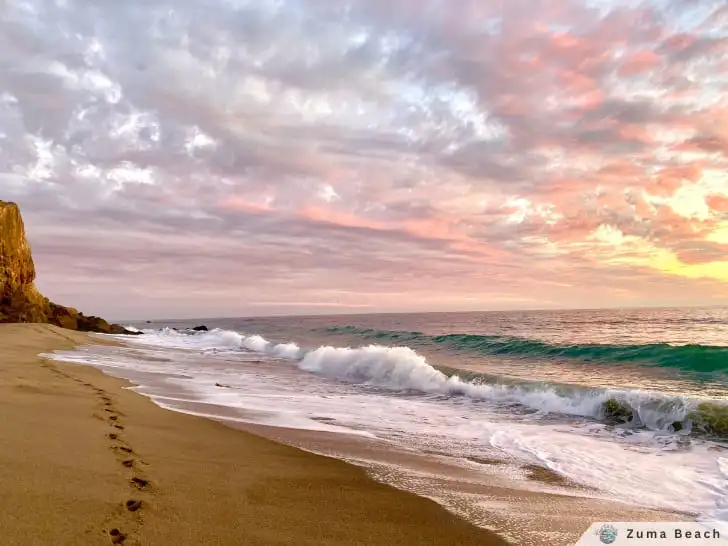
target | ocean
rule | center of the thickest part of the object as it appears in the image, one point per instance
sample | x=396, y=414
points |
x=627, y=406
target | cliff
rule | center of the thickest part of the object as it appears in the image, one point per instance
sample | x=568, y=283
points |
x=20, y=301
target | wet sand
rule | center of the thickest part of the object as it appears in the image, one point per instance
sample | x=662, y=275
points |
x=84, y=461
x=529, y=505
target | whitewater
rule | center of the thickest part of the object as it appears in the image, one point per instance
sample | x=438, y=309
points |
x=396, y=396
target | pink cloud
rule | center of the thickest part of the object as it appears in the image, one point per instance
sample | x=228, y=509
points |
x=341, y=218
x=679, y=42
x=236, y=203
x=669, y=179
x=636, y=133
x=573, y=228
x=621, y=169
x=431, y=228
x=638, y=63
x=677, y=228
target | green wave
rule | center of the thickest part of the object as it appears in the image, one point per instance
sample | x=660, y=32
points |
x=706, y=418
x=705, y=359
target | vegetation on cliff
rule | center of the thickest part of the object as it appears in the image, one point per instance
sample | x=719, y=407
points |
x=20, y=301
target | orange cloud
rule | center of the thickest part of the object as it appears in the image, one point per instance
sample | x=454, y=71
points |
x=718, y=203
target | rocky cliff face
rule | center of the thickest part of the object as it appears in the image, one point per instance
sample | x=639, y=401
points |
x=20, y=301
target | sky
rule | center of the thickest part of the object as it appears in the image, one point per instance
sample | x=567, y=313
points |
x=195, y=158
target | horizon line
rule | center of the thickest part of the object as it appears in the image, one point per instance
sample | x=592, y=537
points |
x=315, y=315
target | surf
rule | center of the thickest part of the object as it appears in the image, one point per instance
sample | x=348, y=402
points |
x=402, y=398
x=401, y=369
x=695, y=358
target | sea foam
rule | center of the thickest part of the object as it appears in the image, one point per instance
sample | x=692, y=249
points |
x=403, y=369
x=453, y=415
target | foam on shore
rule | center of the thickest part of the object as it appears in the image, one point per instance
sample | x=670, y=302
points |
x=396, y=396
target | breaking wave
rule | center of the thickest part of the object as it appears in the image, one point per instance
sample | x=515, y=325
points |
x=703, y=359
x=401, y=369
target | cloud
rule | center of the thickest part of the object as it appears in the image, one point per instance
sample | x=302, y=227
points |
x=301, y=154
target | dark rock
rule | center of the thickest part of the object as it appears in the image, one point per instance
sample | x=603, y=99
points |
x=202, y=328
x=617, y=412
x=710, y=418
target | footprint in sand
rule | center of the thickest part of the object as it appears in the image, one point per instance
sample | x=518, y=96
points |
x=122, y=451
x=133, y=505
x=128, y=463
x=117, y=537
x=141, y=483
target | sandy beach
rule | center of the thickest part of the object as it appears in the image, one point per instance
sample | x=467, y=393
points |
x=84, y=461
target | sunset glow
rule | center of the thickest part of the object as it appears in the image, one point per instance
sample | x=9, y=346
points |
x=238, y=157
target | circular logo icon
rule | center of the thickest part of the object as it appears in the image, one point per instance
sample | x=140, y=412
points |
x=607, y=533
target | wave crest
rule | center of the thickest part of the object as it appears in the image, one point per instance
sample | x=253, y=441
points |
x=690, y=358
x=401, y=369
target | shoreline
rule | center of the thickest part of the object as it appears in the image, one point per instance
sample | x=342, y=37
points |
x=84, y=460
x=524, y=503
x=538, y=506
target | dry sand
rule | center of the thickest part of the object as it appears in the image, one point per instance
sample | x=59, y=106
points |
x=75, y=448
